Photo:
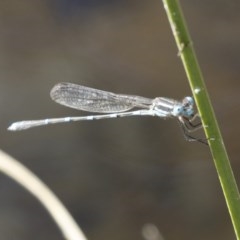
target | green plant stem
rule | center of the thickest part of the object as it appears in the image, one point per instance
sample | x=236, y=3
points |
x=205, y=110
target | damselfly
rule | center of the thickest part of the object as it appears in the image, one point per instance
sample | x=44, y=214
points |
x=116, y=105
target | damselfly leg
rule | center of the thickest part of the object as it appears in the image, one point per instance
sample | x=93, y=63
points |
x=189, y=126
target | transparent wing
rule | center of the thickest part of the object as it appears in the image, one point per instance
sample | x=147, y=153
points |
x=94, y=100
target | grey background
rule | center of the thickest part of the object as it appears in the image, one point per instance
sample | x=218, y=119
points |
x=117, y=175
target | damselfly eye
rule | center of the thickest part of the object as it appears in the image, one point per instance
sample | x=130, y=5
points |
x=188, y=102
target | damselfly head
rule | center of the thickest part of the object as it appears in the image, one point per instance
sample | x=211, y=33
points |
x=184, y=108
x=187, y=107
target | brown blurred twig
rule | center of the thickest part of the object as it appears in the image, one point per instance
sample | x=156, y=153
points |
x=19, y=173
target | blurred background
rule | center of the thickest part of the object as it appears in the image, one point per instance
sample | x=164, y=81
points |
x=115, y=176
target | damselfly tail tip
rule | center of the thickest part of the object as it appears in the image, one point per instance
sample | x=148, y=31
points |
x=17, y=126
x=12, y=127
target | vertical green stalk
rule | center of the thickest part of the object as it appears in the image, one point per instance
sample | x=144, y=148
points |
x=216, y=144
